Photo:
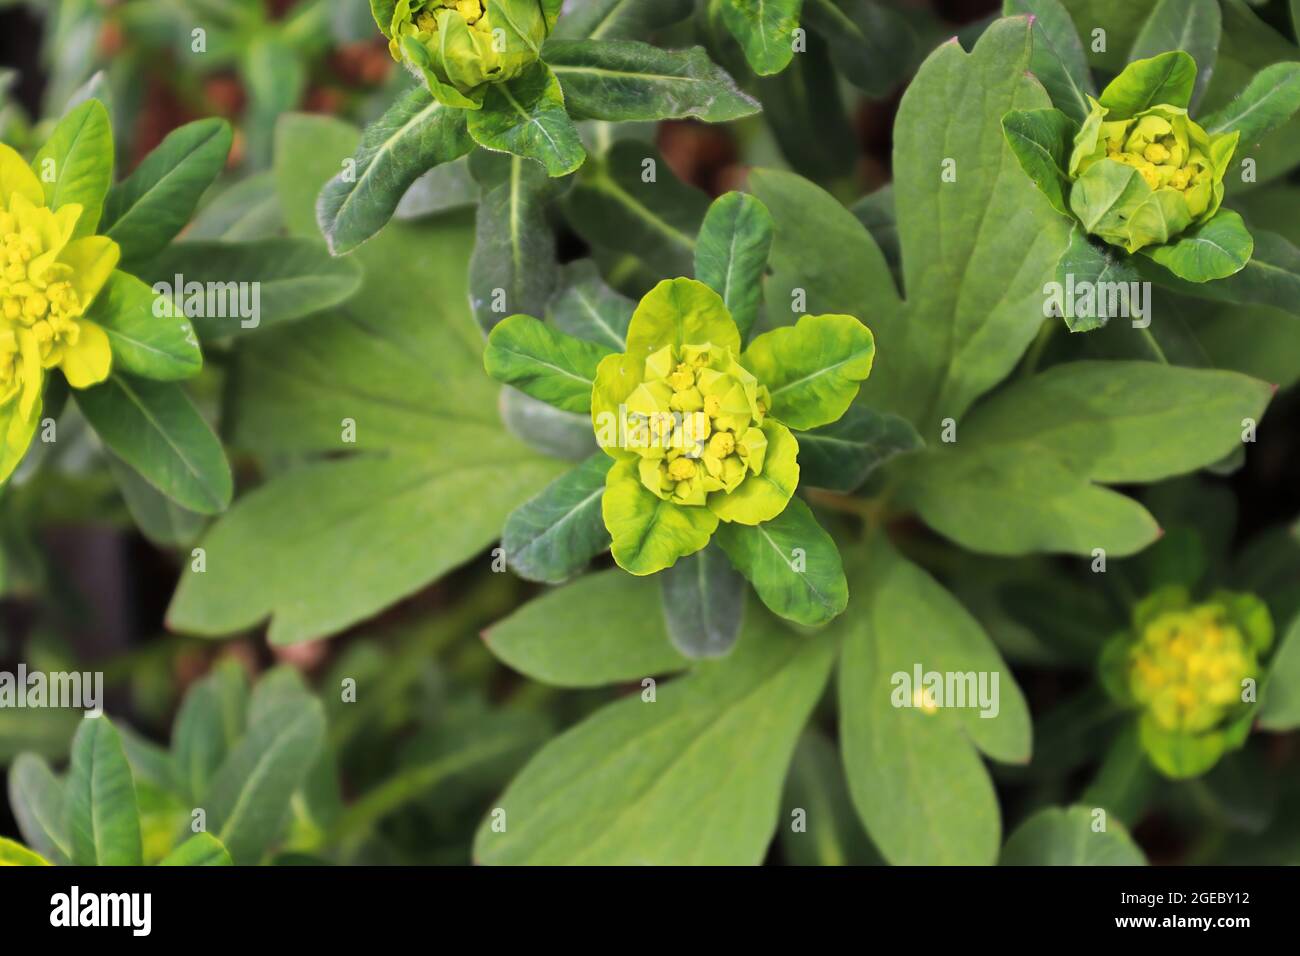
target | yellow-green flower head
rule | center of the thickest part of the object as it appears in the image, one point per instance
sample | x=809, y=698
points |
x=47, y=281
x=1144, y=179
x=461, y=46
x=1186, y=668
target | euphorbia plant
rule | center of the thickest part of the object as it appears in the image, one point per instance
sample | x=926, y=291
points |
x=699, y=431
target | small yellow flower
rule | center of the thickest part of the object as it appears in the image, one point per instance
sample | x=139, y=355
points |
x=47, y=281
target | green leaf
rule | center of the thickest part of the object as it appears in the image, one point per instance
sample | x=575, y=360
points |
x=604, y=628
x=249, y=796
x=816, y=785
x=620, y=19
x=804, y=108
x=1085, y=264
x=513, y=268
x=587, y=308
x=792, y=563
x=37, y=801
x=1271, y=277
x=159, y=519
x=545, y=428
x=966, y=496
x=1214, y=249
x=209, y=724
x=1164, y=79
x=765, y=29
x=102, y=820
x=154, y=428
x=680, y=312
x=693, y=778
x=202, y=849
x=15, y=854
x=1190, y=25
x=146, y=210
x=731, y=254
x=548, y=365
x=415, y=134
x=275, y=77
x=1066, y=836
x=1057, y=59
x=526, y=116
x=967, y=321
x=1271, y=99
x=822, y=252
x=842, y=455
x=76, y=164
x=145, y=341
x=432, y=475
x=16, y=434
x=247, y=209
x=648, y=533
x=704, y=604
x=449, y=186
x=629, y=81
x=872, y=44
x=915, y=774
x=1279, y=708
x=1120, y=422
x=554, y=535
x=1041, y=141
x=812, y=369
x=251, y=285
x=614, y=208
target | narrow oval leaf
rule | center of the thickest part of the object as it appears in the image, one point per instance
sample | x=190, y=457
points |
x=548, y=365
x=694, y=778
x=842, y=455
x=1084, y=264
x=765, y=29
x=566, y=637
x=873, y=44
x=147, y=209
x=1191, y=25
x=209, y=723
x=202, y=849
x=15, y=854
x=102, y=818
x=833, y=836
x=513, y=267
x=146, y=339
x=1279, y=707
x=249, y=797
x=1213, y=250
x=1269, y=100
x=587, y=308
x=704, y=603
x=416, y=134
x=1167, y=78
x=155, y=429
x=792, y=563
x=814, y=368
x=159, y=519
x=731, y=254
x=545, y=428
x=1058, y=59
x=1041, y=141
x=526, y=116
x=554, y=535
x=76, y=164
x=630, y=81
x=1067, y=836
x=36, y=799
x=234, y=288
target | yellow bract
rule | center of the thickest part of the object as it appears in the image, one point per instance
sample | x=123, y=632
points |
x=1188, y=666
x=47, y=280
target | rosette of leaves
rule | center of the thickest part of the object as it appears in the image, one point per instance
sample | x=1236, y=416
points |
x=1132, y=169
x=697, y=435
x=246, y=776
x=1190, y=672
x=497, y=75
x=74, y=302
